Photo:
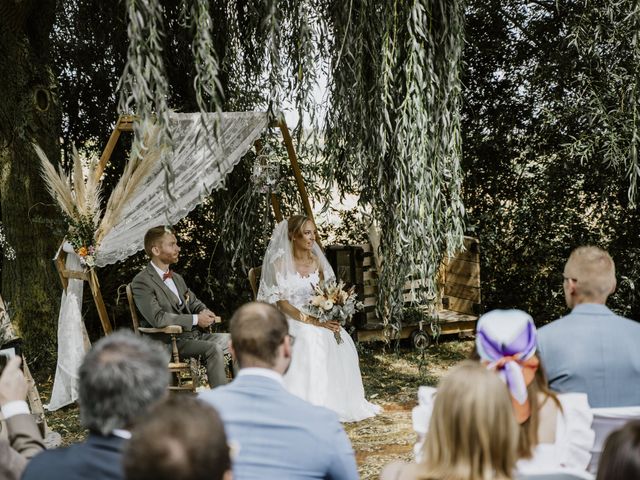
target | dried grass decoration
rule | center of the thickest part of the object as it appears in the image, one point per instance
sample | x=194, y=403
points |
x=80, y=196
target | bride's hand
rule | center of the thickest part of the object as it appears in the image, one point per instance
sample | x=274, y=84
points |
x=332, y=326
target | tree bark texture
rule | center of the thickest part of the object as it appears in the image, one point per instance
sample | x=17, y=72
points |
x=29, y=113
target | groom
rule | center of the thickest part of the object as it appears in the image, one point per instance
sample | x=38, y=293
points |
x=163, y=299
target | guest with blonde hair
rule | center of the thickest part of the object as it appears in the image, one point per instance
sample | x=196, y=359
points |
x=472, y=434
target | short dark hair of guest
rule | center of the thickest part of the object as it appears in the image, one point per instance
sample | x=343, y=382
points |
x=257, y=330
x=180, y=438
x=120, y=377
x=621, y=455
x=154, y=236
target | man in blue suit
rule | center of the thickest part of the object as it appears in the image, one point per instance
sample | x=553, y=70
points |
x=277, y=435
x=592, y=350
x=120, y=377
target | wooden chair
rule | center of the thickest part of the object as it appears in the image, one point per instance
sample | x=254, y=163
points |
x=605, y=421
x=181, y=374
x=254, y=280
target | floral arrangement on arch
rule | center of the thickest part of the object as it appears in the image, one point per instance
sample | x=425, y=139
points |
x=331, y=302
x=265, y=173
x=79, y=195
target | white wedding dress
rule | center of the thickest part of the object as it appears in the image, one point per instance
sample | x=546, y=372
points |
x=322, y=371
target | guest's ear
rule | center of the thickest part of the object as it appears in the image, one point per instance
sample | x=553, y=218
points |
x=286, y=347
x=233, y=352
x=227, y=475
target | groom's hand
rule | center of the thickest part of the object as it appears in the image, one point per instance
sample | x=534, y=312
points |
x=205, y=318
x=216, y=318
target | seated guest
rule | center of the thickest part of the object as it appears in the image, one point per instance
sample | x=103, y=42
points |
x=277, y=434
x=621, y=455
x=163, y=298
x=555, y=429
x=592, y=350
x=120, y=377
x=25, y=440
x=472, y=432
x=180, y=438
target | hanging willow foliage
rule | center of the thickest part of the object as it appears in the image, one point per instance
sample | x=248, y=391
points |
x=394, y=123
x=208, y=90
x=607, y=38
x=143, y=86
x=391, y=127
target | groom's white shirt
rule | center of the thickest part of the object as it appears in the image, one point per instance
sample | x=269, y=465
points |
x=171, y=285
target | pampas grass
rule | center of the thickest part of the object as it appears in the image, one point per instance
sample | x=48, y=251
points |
x=78, y=199
x=138, y=168
x=58, y=184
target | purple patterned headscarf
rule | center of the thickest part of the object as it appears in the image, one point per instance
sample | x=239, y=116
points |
x=506, y=342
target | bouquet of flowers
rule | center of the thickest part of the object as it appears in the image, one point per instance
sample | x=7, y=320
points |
x=331, y=302
x=81, y=237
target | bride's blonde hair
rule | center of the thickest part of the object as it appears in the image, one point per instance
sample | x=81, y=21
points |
x=473, y=434
x=296, y=224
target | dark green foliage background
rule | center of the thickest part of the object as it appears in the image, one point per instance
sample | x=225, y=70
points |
x=529, y=197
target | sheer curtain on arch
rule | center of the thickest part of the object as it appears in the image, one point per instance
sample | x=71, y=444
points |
x=198, y=170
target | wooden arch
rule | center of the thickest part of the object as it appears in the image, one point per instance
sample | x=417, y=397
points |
x=125, y=124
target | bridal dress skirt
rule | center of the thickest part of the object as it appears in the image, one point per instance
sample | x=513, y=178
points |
x=326, y=373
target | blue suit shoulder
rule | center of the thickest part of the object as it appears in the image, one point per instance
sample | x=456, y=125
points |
x=231, y=397
x=600, y=320
x=97, y=458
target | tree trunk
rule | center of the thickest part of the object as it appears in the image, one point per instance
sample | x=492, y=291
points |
x=29, y=112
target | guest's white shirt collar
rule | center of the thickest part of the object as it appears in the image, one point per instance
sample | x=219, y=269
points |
x=262, y=372
x=16, y=407
x=119, y=432
x=160, y=272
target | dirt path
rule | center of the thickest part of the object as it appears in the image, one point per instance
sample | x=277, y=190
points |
x=392, y=380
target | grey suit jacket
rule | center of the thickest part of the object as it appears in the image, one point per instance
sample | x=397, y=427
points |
x=159, y=306
x=595, y=351
x=24, y=443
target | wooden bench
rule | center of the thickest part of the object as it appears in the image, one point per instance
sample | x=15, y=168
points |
x=457, y=308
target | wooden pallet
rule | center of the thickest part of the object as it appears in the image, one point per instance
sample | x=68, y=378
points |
x=457, y=308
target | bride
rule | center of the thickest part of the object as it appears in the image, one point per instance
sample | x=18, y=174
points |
x=322, y=371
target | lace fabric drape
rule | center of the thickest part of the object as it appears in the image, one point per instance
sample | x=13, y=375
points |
x=198, y=170
x=73, y=341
